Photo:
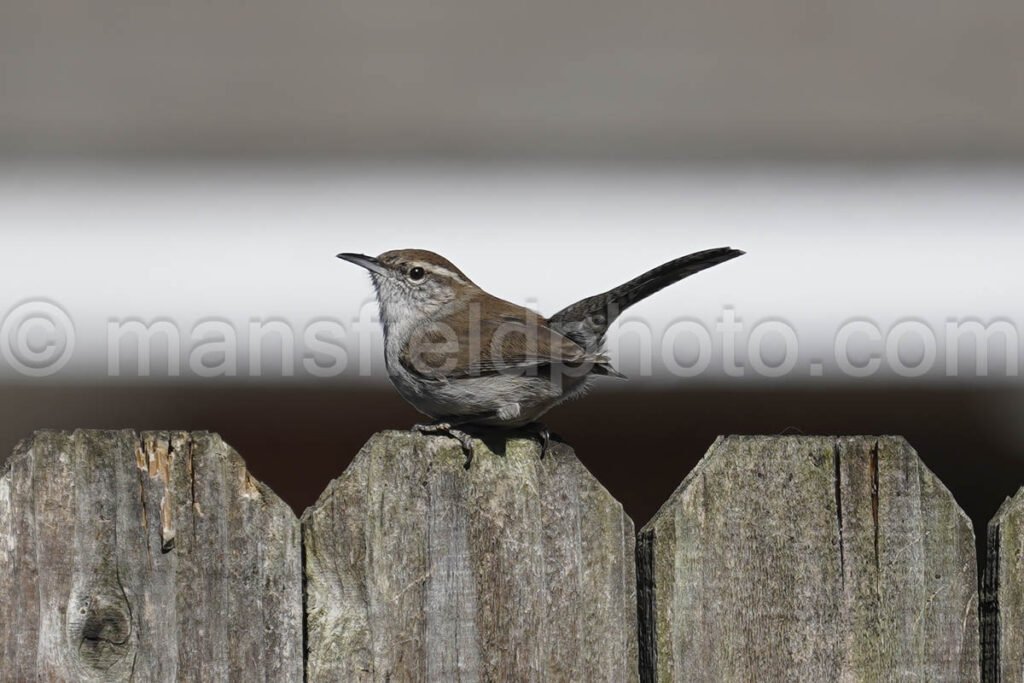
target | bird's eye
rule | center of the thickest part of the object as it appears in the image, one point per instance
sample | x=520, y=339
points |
x=416, y=273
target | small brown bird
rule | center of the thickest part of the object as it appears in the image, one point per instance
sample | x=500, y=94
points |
x=467, y=358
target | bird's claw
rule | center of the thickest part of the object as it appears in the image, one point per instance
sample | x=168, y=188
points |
x=446, y=428
x=545, y=440
x=541, y=432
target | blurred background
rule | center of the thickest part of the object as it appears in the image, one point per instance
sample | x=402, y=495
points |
x=173, y=176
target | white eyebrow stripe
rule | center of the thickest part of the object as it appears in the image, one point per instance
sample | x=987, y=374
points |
x=440, y=270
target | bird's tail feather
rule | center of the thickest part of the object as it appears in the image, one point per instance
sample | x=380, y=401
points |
x=586, y=321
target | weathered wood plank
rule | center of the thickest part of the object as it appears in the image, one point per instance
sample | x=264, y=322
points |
x=518, y=569
x=152, y=558
x=812, y=559
x=1003, y=594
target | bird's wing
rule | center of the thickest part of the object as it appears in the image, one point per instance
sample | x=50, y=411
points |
x=501, y=337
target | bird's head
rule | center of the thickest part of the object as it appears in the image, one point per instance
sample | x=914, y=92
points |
x=412, y=284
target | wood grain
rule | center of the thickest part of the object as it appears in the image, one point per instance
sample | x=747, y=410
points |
x=518, y=569
x=1003, y=594
x=809, y=558
x=144, y=558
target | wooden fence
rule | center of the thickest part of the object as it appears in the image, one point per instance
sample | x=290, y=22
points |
x=158, y=558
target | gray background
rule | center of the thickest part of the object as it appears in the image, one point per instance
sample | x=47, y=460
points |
x=655, y=79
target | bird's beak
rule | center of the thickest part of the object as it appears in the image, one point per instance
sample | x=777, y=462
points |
x=368, y=262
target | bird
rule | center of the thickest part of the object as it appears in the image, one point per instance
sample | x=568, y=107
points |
x=467, y=359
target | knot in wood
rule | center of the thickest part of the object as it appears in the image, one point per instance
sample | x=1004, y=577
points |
x=100, y=629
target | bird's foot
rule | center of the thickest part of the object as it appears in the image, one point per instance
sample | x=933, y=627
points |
x=540, y=431
x=448, y=429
